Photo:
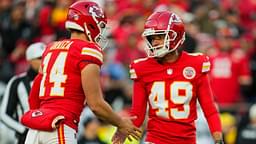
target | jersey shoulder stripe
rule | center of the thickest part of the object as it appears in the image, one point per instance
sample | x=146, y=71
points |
x=93, y=53
x=135, y=65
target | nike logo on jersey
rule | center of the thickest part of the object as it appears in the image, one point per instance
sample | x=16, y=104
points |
x=169, y=71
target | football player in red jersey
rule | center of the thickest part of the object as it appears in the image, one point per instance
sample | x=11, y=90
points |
x=69, y=79
x=171, y=82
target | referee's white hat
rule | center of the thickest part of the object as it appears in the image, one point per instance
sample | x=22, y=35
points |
x=35, y=50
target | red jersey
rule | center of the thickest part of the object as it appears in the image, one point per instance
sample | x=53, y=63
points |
x=61, y=87
x=171, y=91
x=226, y=70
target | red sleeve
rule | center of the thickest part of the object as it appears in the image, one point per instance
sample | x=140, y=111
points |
x=208, y=105
x=34, y=101
x=139, y=103
x=244, y=67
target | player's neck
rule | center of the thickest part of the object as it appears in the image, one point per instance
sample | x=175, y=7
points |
x=81, y=36
x=170, y=57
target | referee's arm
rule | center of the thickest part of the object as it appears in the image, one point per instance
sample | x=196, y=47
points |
x=9, y=107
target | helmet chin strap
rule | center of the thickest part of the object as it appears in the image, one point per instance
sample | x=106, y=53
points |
x=87, y=32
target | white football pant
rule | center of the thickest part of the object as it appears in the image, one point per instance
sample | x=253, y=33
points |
x=63, y=135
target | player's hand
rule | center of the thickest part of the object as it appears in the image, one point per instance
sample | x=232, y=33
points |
x=118, y=138
x=127, y=129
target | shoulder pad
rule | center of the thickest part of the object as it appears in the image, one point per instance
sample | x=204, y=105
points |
x=93, y=51
x=203, y=61
x=134, y=66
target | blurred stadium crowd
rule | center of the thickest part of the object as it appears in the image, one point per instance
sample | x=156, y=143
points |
x=225, y=30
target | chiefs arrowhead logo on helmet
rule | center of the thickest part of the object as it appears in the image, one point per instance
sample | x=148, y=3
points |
x=176, y=18
x=96, y=11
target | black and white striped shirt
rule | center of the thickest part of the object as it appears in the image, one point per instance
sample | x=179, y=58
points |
x=15, y=100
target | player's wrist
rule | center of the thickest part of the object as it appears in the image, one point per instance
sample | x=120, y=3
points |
x=217, y=136
x=119, y=122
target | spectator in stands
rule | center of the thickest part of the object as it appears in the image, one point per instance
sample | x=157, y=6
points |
x=228, y=122
x=90, y=132
x=16, y=33
x=247, y=134
x=59, y=16
x=230, y=70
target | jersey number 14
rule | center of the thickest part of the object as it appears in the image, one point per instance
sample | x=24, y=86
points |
x=56, y=75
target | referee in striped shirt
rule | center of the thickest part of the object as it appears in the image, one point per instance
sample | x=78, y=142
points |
x=15, y=99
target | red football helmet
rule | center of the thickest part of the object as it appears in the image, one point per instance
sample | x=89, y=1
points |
x=88, y=17
x=164, y=23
